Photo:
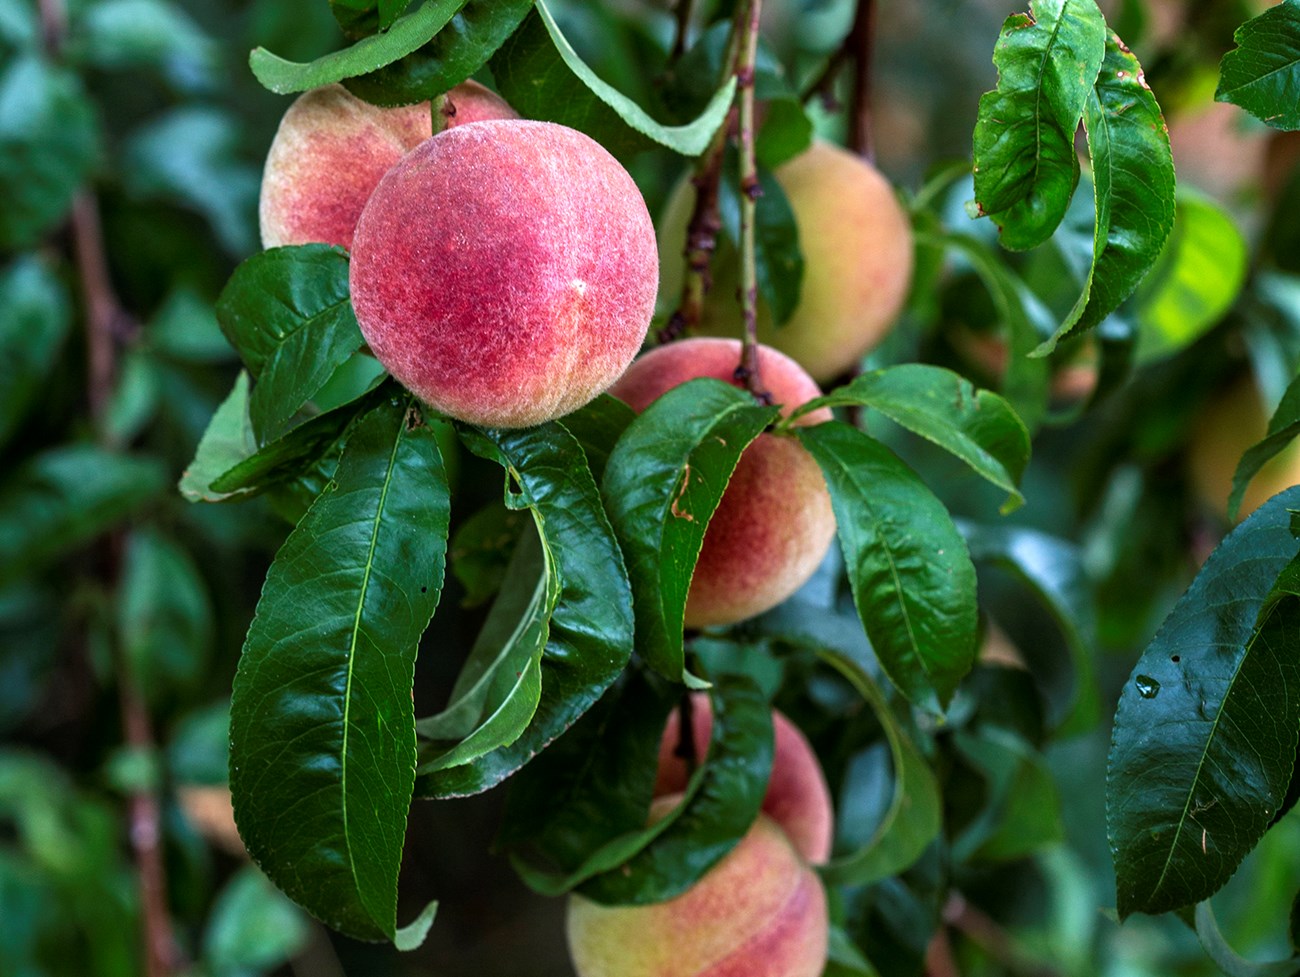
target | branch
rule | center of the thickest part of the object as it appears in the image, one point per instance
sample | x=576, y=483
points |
x=985, y=932
x=701, y=240
x=750, y=190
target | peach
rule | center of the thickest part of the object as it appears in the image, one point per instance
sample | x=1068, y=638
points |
x=857, y=248
x=774, y=523
x=331, y=151
x=1226, y=427
x=505, y=271
x=760, y=912
x=797, y=796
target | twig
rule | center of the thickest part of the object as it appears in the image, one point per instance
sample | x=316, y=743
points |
x=985, y=932
x=939, y=961
x=684, y=13
x=860, y=43
x=750, y=190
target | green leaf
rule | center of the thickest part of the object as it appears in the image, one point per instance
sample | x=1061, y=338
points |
x=322, y=724
x=598, y=425
x=64, y=498
x=1025, y=164
x=1283, y=426
x=1262, y=74
x=49, y=143
x=913, y=818
x=844, y=959
x=1133, y=189
x=590, y=637
x=461, y=48
x=1206, y=729
x=1023, y=814
x=777, y=259
x=787, y=131
x=1197, y=279
x=36, y=318
x=368, y=54
x=912, y=578
x=664, y=480
x=537, y=72
x=1226, y=958
x=288, y=311
x=252, y=928
x=227, y=441
x=977, y=426
x=1053, y=570
x=114, y=34
x=481, y=550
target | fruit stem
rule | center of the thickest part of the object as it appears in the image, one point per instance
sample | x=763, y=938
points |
x=441, y=111
x=747, y=372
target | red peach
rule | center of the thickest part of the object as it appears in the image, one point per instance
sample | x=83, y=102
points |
x=774, y=523
x=505, y=271
x=760, y=912
x=331, y=151
x=797, y=796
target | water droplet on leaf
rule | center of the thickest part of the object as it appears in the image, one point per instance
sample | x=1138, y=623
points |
x=1147, y=687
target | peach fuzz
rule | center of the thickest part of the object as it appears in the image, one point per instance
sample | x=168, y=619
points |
x=797, y=797
x=505, y=271
x=857, y=248
x=331, y=151
x=774, y=523
x=760, y=912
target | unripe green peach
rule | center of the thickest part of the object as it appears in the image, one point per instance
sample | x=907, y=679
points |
x=505, y=271
x=1226, y=427
x=332, y=149
x=774, y=523
x=857, y=248
x=797, y=797
x=760, y=912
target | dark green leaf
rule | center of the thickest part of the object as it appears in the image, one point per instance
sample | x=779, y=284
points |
x=598, y=425
x=368, y=54
x=1053, y=570
x=665, y=478
x=252, y=928
x=1133, y=188
x=322, y=724
x=844, y=959
x=1283, y=426
x=1023, y=813
x=64, y=498
x=115, y=34
x=186, y=329
x=777, y=259
x=912, y=577
x=977, y=426
x=1025, y=164
x=914, y=815
x=470, y=38
x=1206, y=729
x=1263, y=74
x=481, y=549
x=32, y=329
x=787, y=131
x=590, y=637
x=1197, y=279
x=48, y=145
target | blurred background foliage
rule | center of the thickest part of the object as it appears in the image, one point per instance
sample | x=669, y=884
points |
x=141, y=117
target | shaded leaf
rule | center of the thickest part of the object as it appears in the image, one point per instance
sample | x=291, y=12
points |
x=1262, y=75
x=1226, y=958
x=252, y=927
x=1023, y=814
x=1283, y=426
x=912, y=578
x=36, y=318
x=664, y=480
x=481, y=550
x=322, y=725
x=1207, y=727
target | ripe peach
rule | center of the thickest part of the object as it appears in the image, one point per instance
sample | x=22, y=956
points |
x=505, y=271
x=760, y=912
x=857, y=249
x=797, y=796
x=332, y=149
x=1225, y=429
x=774, y=523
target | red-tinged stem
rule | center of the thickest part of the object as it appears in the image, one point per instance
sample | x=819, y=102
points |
x=939, y=961
x=861, y=44
x=748, y=371
x=985, y=932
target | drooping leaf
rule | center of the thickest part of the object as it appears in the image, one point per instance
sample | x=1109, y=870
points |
x=1198, y=277
x=1053, y=570
x=288, y=312
x=1283, y=427
x=463, y=46
x=537, y=70
x=36, y=318
x=913, y=817
x=911, y=574
x=977, y=426
x=48, y=144
x=369, y=54
x=777, y=259
x=590, y=636
x=1025, y=164
x=1023, y=813
x=65, y=497
x=663, y=482
x=1133, y=189
x=1262, y=75
x=1227, y=959
x=1207, y=727
x=322, y=730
